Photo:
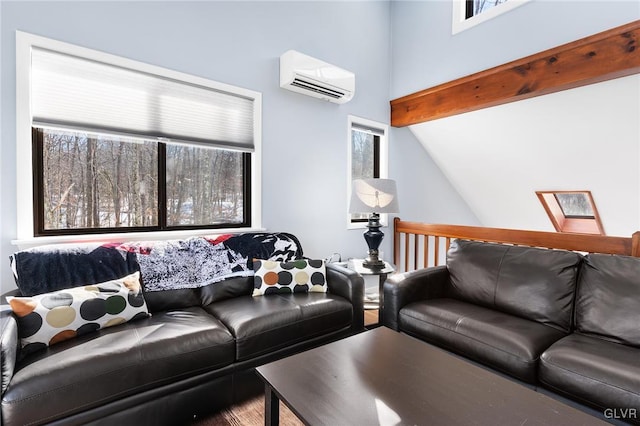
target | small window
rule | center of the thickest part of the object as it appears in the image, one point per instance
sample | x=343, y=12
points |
x=367, y=157
x=476, y=7
x=365, y=160
x=572, y=211
x=468, y=13
x=575, y=205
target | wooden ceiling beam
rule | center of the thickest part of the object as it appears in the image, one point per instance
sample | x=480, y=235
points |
x=603, y=56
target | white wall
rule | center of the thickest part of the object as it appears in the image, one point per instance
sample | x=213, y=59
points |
x=581, y=139
x=496, y=158
x=239, y=43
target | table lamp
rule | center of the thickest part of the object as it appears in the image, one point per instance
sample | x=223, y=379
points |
x=373, y=196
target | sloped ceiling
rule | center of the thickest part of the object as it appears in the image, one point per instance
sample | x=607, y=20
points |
x=586, y=138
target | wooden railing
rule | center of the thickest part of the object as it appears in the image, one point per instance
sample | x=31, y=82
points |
x=419, y=245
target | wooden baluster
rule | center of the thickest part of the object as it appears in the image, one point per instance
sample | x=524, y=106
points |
x=427, y=250
x=635, y=244
x=425, y=255
x=416, y=252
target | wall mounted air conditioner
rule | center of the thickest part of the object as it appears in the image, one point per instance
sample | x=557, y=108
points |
x=310, y=76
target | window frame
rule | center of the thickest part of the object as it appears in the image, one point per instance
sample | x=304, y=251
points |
x=460, y=22
x=25, y=206
x=567, y=223
x=38, y=196
x=382, y=163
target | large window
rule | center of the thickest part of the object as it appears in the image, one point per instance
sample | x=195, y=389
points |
x=121, y=146
x=96, y=183
x=367, y=156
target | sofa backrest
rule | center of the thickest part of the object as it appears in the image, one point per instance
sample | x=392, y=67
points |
x=175, y=274
x=608, y=298
x=532, y=283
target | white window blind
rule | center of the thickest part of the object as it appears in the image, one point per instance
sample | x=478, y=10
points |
x=72, y=92
x=367, y=129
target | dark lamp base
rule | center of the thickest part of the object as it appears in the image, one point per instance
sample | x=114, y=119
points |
x=373, y=263
x=373, y=236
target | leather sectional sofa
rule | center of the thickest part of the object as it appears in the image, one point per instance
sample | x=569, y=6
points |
x=558, y=320
x=193, y=355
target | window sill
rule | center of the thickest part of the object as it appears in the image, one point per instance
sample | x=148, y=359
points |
x=26, y=243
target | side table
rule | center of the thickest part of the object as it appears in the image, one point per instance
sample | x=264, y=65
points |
x=356, y=265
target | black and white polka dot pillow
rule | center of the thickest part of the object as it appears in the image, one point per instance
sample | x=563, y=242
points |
x=297, y=276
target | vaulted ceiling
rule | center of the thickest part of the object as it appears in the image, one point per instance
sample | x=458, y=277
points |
x=579, y=136
x=586, y=138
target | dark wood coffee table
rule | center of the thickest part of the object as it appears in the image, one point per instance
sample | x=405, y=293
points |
x=383, y=377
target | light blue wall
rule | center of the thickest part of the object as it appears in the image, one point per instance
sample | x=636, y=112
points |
x=425, y=53
x=239, y=43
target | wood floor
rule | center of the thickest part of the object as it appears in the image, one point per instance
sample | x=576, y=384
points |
x=248, y=413
x=370, y=317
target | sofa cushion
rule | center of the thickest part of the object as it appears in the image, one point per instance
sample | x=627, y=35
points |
x=296, y=276
x=87, y=372
x=607, y=302
x=227, y=289
x=266, y=324
x=505, y=342
x=599, y=373
x=49, y=318
x=536, y=284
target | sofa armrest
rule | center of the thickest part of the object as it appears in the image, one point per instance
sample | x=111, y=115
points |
x=350, y=285
x=9, y=345
x=402, y=289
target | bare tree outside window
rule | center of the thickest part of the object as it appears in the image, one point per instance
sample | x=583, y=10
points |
x=204, y=186
x=98, y=182
x=363, y=160
x=475, y=7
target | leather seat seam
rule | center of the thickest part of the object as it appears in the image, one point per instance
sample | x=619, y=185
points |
x=533, y=361
x=495, y=288
x=591, y=378
x=241, y=339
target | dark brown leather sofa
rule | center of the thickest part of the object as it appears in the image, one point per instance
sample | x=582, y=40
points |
x=195, y=354
x=564, y=323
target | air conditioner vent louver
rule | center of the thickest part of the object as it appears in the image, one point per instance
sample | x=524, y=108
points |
x=303, y=74
x=317, y=88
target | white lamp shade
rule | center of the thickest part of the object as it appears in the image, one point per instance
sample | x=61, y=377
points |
x=374, y=196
